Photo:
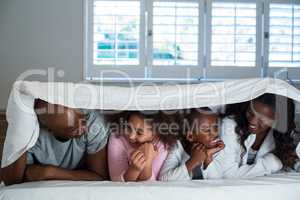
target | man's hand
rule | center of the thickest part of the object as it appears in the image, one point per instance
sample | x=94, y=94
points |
x=38, y=172
x=49, y=172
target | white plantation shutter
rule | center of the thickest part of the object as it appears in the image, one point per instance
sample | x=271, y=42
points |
x=188, y=40
x=175, y=33
x=233, y=36
x=284, y=45
x=176, y=39
x=283, y=41
x=116, y=32
x=114, y=39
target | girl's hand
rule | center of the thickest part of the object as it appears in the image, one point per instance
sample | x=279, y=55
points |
x=198, y=156
x=218, y=146
x=215, y=148
x=149, y=151
x=198, y=153
x=138, y=160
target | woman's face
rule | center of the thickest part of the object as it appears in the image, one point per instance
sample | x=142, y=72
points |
x=138, y=131
x=260, y=117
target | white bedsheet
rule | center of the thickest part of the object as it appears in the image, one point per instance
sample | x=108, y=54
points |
x=275, y=187
x=23, y=129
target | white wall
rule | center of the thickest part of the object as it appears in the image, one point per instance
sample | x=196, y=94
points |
x=37, y=34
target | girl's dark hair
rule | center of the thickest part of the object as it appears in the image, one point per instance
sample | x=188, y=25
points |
x=283, y=131
x=162, y=124
x=188, y=123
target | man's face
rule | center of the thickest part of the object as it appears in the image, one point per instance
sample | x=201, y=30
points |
x=63, y=122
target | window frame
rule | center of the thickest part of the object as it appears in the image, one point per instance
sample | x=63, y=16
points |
x=290, y=73
x=145, y=71
x=233, y=72
x=110, y=72
x=182, y=72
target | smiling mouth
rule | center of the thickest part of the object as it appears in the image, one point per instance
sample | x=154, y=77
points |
x=252, y=127
x=133, y=142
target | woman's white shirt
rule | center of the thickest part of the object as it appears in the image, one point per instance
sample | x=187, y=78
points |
x=235, y=166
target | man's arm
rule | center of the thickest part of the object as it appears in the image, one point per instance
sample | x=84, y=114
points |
x=49, y=172
x=14, y=173
x=96, y=170
x=98, y=164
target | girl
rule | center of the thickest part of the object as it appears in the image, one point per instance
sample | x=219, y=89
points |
x=255, y=134
x=139, y=153
x=193, y=159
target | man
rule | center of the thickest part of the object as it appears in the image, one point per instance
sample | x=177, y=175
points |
x=71, y=146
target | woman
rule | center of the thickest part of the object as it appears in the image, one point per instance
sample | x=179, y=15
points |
x=258, y=137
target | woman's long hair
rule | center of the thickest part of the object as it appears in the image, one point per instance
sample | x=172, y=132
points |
x=283, y=131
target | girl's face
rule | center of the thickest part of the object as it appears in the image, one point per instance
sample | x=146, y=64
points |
x=260, y=117
x=139, y=131
x=206, y=130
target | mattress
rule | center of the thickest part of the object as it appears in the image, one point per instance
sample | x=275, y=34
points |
x=275, y=187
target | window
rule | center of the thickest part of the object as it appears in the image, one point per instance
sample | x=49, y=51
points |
x=191, y=39
x=233, y=34
x=175, y=33
x=116, y=33
x=284, y=45
x=283, y=38
x=114, y=40
x=174, y=39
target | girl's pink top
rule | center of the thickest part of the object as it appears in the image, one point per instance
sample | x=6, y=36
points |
x=119, y=152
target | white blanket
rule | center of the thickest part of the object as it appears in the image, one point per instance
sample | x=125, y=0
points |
x=23, y=128
x=276, y=187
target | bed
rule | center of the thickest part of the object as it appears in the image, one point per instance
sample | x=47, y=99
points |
x=284, y=186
